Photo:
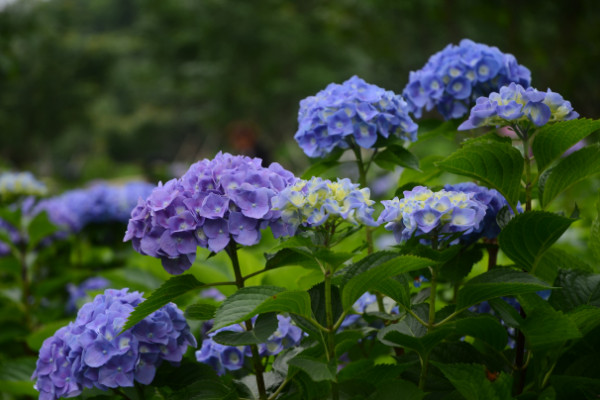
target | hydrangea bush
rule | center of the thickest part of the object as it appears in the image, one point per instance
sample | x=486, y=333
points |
x=477, y=294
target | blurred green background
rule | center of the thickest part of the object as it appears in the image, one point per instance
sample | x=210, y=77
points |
x=103, y=88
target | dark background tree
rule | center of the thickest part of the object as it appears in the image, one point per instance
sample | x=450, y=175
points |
x=100, y=88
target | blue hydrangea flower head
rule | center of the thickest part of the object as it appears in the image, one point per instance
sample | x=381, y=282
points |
x=89, y=352
x=360, y=307
x=422, y=212
x=215, y=202
x=453, y=78
x=224, y=358
x=78, y=292
x=312, y=202
x=354, y=110
x=493, y=201
x=101, y=203
x=514, y=104
x=20, y=184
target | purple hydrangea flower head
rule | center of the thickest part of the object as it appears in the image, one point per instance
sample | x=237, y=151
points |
x=89, y=352
x=231, y=358
x=80, y=292
x=493, y=201
x=312, y=202
x=101, y=203
x=514, y=104
x=354, y=110
x=454, y=77
x=423, y=211
x=18, y=184
x=214, y=203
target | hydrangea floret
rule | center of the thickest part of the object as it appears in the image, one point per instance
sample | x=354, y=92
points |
x=360, y=307
x=78, y=292
x=454, y=77
x=231, y=358
x=514, y=104
x=312, y=202
x=17, y=184
x=89, y=352
x=226, y=199
x=493, y=201
x=354, y=110
x=423, y=212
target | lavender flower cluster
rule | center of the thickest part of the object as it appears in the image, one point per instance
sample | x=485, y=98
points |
x=215, y=201
x=90, y=352
x=17, y=184
x=359, y=306
x=101, y=203
x=422, y=212
x=10, y=233
x=454, y=77
x=493, y=202
x=353, y=110
x=78, y=292
x=515, y=104
x=231, y=358
x=313, y=202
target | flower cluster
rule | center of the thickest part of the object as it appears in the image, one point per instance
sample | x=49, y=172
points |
x=353, y=110
x=17, y=184
x=514, y=104
x=215, y=201
x=101, y=203
x=90, y=352
x=11, y=233
x=422, y=212
x=231, y=358
x=76, y=293
x=454, y=77
x=313, y=202
x=493, y=201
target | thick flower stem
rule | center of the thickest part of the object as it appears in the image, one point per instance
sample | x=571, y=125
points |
x=239, y=280
x=331, y=331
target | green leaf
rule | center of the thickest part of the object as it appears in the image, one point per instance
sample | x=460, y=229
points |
x=553, y=140
x=528, y=235
x=15, y=376
x=389, y=390
x=318, y=305
x=495, y=164
x=169, y=291
x=483, y=327
x=249, y=301
x=394, y=156
x=200, y=311
x=316, y=369
x=236, y=307
x=575, y=387
x=290, y=256
x=206, y=389
x=39, y=228
x=264, y=327
x=456, y=269
x=544, y=327
x=555, y=259
x=429, y=171
x=433, y=127
x=587, y=318
x=372, y=276
x=472, y=382
x=396, y=288
x=369, y=261
x=577, y=288
x=595, y=233
x=570, y=170
x=36, y=339
x=496, y=283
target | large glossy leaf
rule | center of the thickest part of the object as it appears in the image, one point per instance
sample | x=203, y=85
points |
x=529, y=235
x=578, y=288
x=482, y=327
x=317, y=370
x=169, y=291
x=494, y=163
x=394, y=156
x=247, y=302
x=595, y=233
x=570, y=170
x=369, y=261
x=553, y=140
x=372, y=276
x=554, y=259
x=472, y=382
x=544, y=326
x=264, y=327
x=496, y=283
x=200, y=311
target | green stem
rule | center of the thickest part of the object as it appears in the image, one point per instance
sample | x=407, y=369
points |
x=140, y=391
x=25, y=287
x=431, y=321
x=239, y=280
x=331, y=332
